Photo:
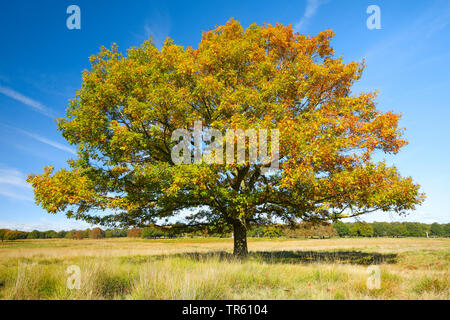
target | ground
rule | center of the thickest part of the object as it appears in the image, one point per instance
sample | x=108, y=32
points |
x=203, y=268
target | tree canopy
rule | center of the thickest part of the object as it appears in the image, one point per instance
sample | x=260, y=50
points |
x=262, y=77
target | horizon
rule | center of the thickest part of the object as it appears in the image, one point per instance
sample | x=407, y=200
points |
x=128, y=228
x=45, y=59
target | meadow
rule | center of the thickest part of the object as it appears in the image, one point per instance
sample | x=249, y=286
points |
x=203, y=268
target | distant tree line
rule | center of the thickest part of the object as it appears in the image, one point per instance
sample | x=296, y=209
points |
x=300, y=230
x=354, y=229
x=392, y=229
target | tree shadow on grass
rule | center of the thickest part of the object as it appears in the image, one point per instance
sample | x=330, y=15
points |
x=345, y=257
x=350, y=257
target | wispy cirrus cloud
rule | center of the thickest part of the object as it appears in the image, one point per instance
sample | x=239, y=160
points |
x=36, y=105
x=311, y=9
x=47, y=141
x=46, y=224
x=158, y=33
x=13, y=185
x=157, y=28
x=13, y=177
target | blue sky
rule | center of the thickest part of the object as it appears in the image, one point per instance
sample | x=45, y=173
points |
x=41, y=63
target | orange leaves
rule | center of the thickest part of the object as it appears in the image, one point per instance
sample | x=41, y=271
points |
x=323, y=43
x=55, y=192
x=369, y=186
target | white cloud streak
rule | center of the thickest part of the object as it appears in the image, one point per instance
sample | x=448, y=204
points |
x=13, y=177
x=45, y=224
x=47, y=141
x=156, y=27
x=311, y=8
x=14, y=195
x=159, y=33
x=36, y=105
x=13, y=185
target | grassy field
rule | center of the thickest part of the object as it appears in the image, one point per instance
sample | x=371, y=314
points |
x=410, y=268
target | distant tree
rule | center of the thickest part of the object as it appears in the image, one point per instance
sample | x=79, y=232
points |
x=353, y=230
x=79, y=235
x=361, y=229
x=324, y=230
x=116, y=233
x=179, y=229
x=50, y=234
x=15, y=235
x=35, y=234
x=3, y=233
x=61, y=234
x=134, y=233
x=272, y=232
x=396, y=229
x=70, y=234
x=426, y=229
x=414, y=229
x=447, y=229
x=152, y=232
x=437, y=230
x=215, y=235
x=380, y=229
x=318, y=229
x=11, y=235
x=96, y=233
x=256, y=231
x=341, y=228
x=202, y=232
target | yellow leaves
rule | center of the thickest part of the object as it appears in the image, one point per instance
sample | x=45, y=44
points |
x=118, y=170
x=54, y=192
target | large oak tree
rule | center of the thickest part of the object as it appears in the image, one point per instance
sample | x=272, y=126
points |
x=262, y=77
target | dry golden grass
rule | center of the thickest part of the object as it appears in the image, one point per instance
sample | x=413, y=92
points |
x=203, y=269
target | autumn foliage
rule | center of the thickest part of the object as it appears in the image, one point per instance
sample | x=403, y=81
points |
x=134, y=233
x=262, y=77
x=79, y=235
x=96, y=233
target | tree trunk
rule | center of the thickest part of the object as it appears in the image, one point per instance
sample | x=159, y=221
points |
x=240, y=240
